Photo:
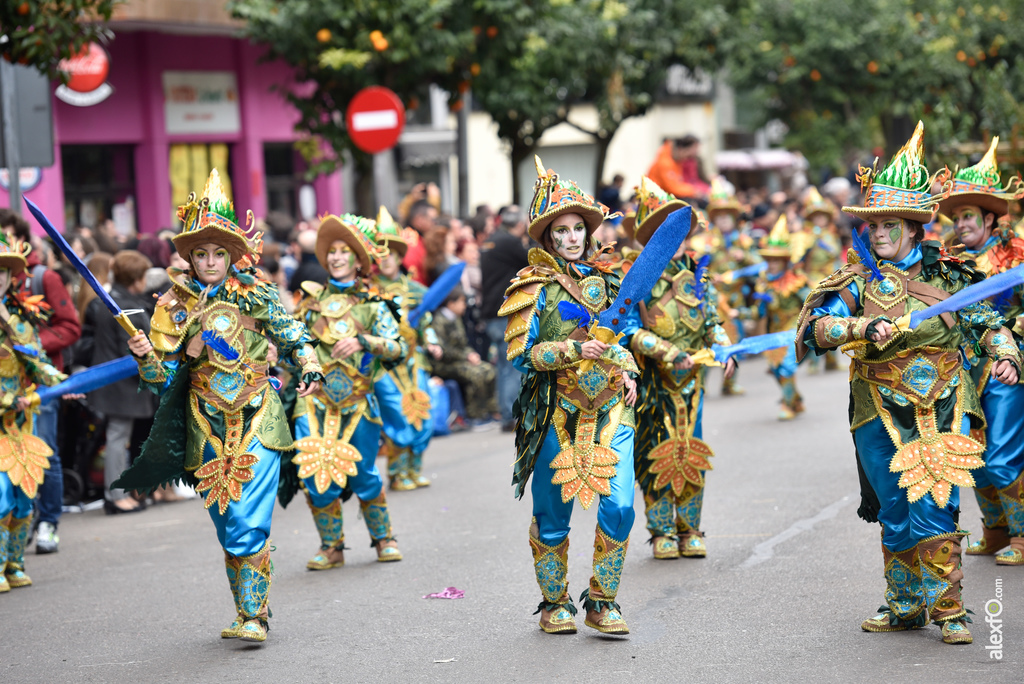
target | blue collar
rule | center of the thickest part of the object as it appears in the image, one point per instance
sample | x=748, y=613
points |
x=907, y=261
x=213, y=290
x=985, y=247
x=342, y=285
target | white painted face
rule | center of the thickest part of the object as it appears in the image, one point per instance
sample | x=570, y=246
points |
x=569, y=236
x=211, y=262
x=973, y=227
x=889, y=238
x=341, y=261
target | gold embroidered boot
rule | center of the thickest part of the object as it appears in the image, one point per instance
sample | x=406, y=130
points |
x=551, y=565
x=378, y=522
x=789, y=403
x=731, y=388
x=904, y=598
x=941, y=574
x=328, y=522
x=688, y=510
x=398, y=467
x=1012, y=498
x=995, y=534
x=16, y=543
x=662, y=525
x=603, y=613
x=5, y=535
x=232, y=572
x=249, y=577
x=415, y=470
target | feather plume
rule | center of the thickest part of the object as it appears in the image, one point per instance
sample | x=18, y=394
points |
x=866, y=257
x=220, y=345
x=700, y=274
x=29, y=351
x=571, y=311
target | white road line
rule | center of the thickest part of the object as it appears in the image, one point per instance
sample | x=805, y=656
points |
x=766, y=549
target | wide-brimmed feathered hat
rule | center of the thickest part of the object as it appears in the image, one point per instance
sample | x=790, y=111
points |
x=553, y=197
x=357, y=232
x=389, y=234
x=722, y=200
x=778, y=242
x=814, y=203
x=212, y=218
x=653, y=206
x=903, y=189
x=981, y=186
x=13, y=253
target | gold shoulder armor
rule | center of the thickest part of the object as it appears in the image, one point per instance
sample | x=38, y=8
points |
x=538, y=257
x=312, y=287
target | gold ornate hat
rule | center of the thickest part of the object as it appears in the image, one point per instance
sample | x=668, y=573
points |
x=212, y=219
x=814, y=203
x=722, y=201
x=903, y=188
x=13, y=253
x=653, y=206
x=553, y=197
x=389, y=234
x=777, y=243
x=981, y=186
x=357, y=232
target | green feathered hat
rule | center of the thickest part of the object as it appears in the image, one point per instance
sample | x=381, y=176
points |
x=981, y=186
x=357, y=232
x=212, y=219
x=389, y=234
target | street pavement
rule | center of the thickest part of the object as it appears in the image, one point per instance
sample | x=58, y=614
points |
x=790, y=575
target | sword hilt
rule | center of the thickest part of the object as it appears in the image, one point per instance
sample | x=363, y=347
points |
x=129, y=327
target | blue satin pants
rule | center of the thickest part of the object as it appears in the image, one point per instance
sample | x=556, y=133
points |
x=904, y=524
x=787, y=368
x=244, y=527
x=367, y=483
x=1004, y=435
x=396, y=427
x=615, y=513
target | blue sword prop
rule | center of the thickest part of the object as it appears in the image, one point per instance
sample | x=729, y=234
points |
x=92, y=378
x=745, y=272
x=436, y=293
x=642, y=276
x=718, y=354
x=990, y=287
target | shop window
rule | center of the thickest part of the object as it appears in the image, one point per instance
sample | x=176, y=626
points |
x=189, y=166
x=99, y=184
x=285, y=172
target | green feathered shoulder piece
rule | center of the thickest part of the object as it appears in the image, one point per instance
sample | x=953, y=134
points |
x=163, y=455
x=936, y=262
x=653, y=403
x=533, y=410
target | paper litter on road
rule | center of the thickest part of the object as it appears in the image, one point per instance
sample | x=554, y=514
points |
x=447, y=660
x=449, y=593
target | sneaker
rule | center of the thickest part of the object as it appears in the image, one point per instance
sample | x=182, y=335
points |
x=46, y=538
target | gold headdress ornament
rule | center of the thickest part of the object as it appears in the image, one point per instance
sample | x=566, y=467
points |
x=553, y=197
x=981, y=186
x=777, y=243
x=13, y=253
x=212, y=219
x=389, y=234
x=903, y=189
x=357, y=232
x=653, y=206
x=722, y=200
x=814, y=203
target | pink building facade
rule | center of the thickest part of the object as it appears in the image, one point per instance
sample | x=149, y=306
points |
x=125, y=152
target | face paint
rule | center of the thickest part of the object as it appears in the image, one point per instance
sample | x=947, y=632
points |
x=970, y=226
x=895, y=233
x=211, y=262
x=341, y=261
x=569, y=237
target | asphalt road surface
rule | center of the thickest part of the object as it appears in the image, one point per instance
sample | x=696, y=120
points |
x=790, y=575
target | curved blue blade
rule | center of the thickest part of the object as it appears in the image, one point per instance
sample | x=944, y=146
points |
x=754, y=345
x=647, y=268
x=91, y=379
x=436, y=293
x=990, y=287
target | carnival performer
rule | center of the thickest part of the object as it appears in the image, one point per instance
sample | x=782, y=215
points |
x=780, y=292
x=913, y=403
x=818, y=242
x=576, y=404
x=23, y=366
x=731, y=248
x=220, y=424
x=679, y=317
x=404, y=392
x=976, y=204
x=337, y=430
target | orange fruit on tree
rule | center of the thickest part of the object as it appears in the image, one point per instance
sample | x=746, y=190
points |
x=492, y=31
x=815, y=75
x=24, y=8
x=474, y=69
x=873, y=67
x=323, y=35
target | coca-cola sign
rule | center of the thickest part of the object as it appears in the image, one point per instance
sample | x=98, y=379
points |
x=87, y=77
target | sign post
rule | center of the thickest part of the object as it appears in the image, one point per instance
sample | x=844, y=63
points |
x=375, y=118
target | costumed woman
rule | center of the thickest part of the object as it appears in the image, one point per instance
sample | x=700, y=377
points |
x=976, y=204
x=404, y=392
x=24, y=458
x=821, y=250
x=913, y=402
x=679, y=318
x=780, y=291
x=575, y=423
x=220, y=424
x=337, y=430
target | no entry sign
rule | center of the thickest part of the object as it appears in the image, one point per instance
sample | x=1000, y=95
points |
x=375, y=118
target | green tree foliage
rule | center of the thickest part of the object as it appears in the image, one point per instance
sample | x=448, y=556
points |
x=847, y=76
x=41, y=33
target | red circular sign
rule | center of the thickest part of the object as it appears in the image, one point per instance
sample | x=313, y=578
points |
x=88, y=69
x=375, y=118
